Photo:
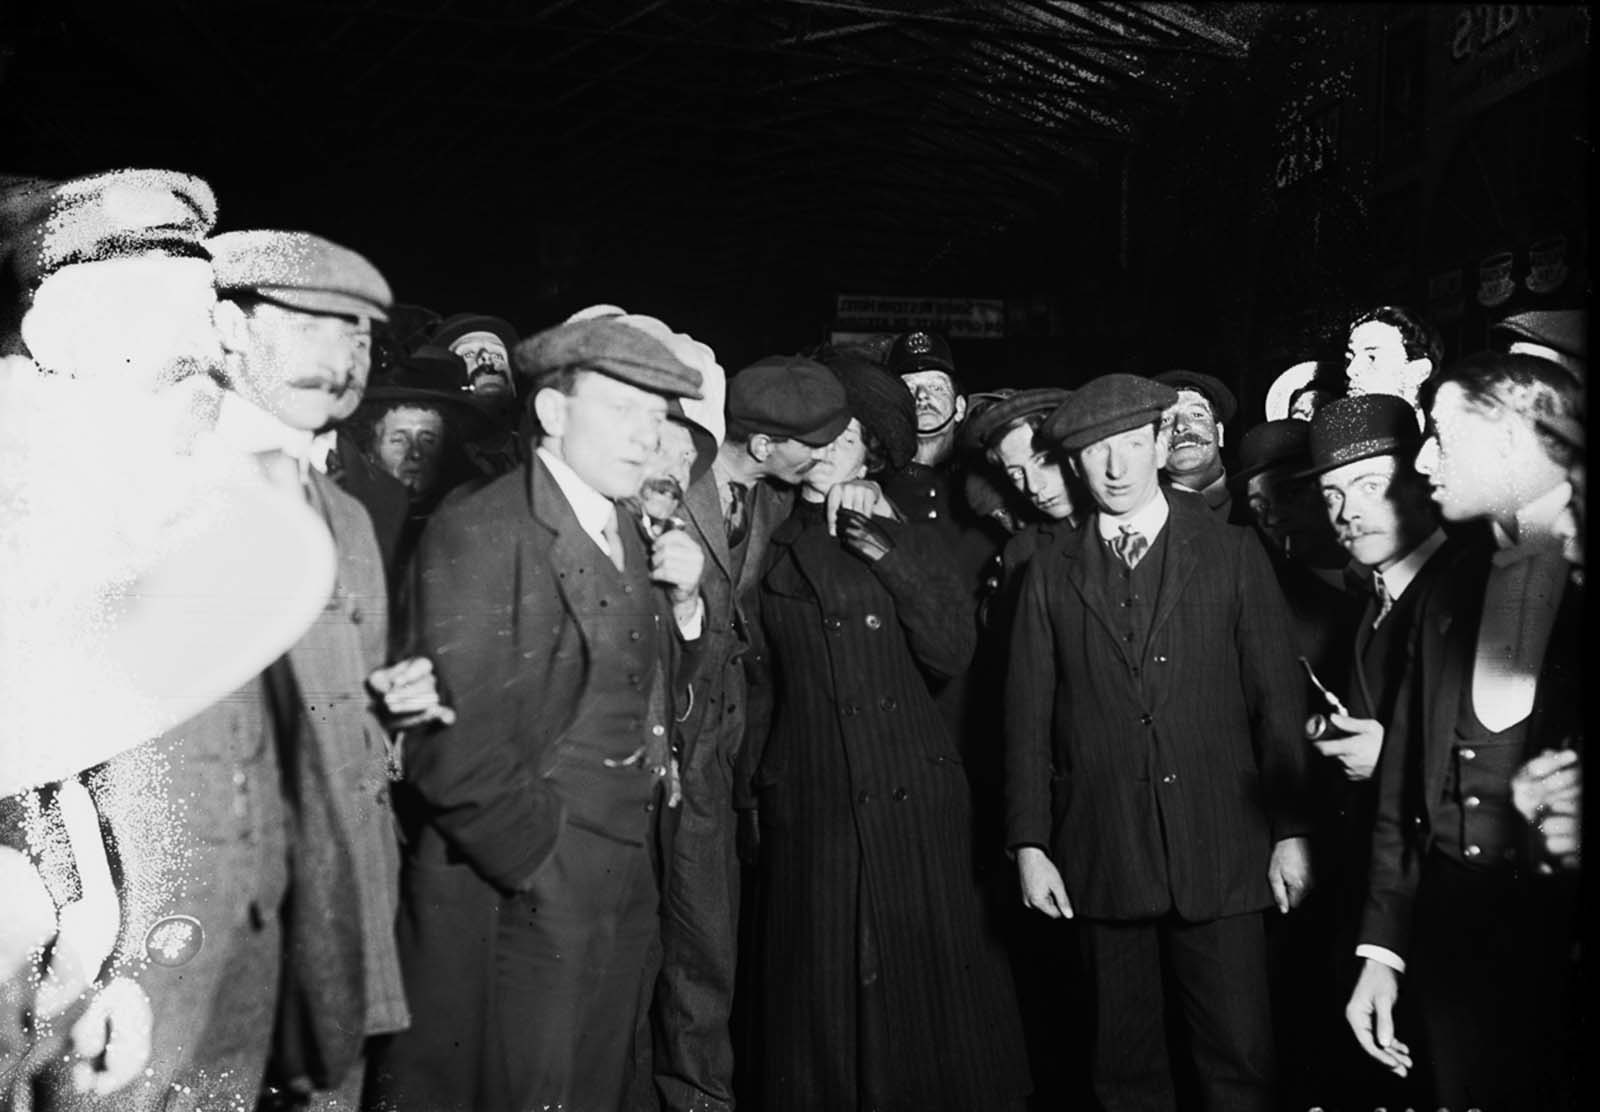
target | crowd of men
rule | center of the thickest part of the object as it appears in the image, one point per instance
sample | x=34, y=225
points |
x=389, y=694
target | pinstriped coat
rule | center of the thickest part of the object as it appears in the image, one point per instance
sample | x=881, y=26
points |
x=866, y=836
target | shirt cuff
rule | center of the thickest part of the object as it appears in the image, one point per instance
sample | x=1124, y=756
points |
x=690, y=626
x=1382, y=955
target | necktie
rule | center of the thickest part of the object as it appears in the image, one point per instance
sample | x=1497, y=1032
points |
x=738, y=513
x=1385, y=600
x=1130, y=545
x=613, y=536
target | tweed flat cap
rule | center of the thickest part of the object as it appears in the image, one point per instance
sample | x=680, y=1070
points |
x=609, y=347
x=1106, y=406
x=1284, y=443
x=301, y=271
x=920, y=351
x=1220, y=397
x=882, y=404
x=789, y=396
x=1351, y=429
x=104, y=216
x=706, y=413
x=981, y=428
x=1562, y=330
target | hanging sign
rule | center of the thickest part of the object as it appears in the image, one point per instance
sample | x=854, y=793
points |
x=967, y=318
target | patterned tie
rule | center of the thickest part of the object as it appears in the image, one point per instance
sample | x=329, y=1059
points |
x=1385, y=599
x=1130, y=545
x=738, y=513
x=613, y=536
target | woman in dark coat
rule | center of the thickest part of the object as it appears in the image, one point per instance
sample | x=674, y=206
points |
x=884, y=989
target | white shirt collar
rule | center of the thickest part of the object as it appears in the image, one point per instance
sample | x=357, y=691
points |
x=1148, y=520
x=593, y=509
x=1535, y=522
x=246, y=427
x=1399, y=577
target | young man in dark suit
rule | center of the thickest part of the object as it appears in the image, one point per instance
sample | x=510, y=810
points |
x=1463, y=903
x=562, y=635
x=1156, y=771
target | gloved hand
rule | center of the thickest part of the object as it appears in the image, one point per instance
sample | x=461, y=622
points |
x=863, y=536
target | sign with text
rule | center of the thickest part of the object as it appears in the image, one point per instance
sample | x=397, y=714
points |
x=1496, y=49
x=965, y=318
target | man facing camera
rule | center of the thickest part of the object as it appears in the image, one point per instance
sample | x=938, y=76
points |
x=1155, y=771
x=560, y=632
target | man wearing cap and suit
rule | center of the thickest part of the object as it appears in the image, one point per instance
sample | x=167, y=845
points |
x=1155, y=770
x=1463, y=907
x=1196, y=430
x=563, y=639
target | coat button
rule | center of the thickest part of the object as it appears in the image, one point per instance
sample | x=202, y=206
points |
x=850, y=710
x=1471, y=801
x=874, y=622
x=1161, y=660
x=887, y=703
x=634, y=679
x=833, y=623
x=658, y=730
x=1170, y=778
x=1469, y=754
x=634, y=635
x=901, y=795
x=1473, y=851
x=651, y=806
x=1145, y=720
x=863, y=796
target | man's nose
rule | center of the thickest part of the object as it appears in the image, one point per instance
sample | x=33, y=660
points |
x=414, y=451
x=1427, y=456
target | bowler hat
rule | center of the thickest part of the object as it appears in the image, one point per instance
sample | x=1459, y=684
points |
x=454, y=327
x=1285, y=443
x=609, y=347
x=882, y=404
x=300, y=271
x=981, y=427
x=789, y=396
x=1106, y=406
x=432, y=378
x=1221, y=398
x=1351, y=429
x=920, y=351
x=1562, y=330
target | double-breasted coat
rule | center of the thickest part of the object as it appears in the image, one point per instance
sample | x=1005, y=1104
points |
x=866, y=857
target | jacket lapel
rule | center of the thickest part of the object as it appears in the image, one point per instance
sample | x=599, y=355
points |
x=573, y=555
x=768, y=507
x=703, y=504
x=1187, y=518
x=1085, y=557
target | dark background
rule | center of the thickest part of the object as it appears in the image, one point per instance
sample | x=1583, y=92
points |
x=1146, y=186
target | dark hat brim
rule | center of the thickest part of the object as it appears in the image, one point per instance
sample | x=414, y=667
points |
x=1356, y=451
x=1220, y=397
x=997, y=415
x=469, y=415
x=453, y=328
x=323, y=302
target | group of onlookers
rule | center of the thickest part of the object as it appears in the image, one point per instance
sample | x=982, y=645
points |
x=416, y=714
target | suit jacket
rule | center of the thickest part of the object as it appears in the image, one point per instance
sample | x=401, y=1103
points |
x=1159, y=778
x=716, y=712
x=1415, y=763
x=506, y=606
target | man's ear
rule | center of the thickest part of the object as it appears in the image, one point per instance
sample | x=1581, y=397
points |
x=961, y=408
x=1221, y=435
x=233, y=327
x=1163, y=444
x=759, y=446
x=550, y=407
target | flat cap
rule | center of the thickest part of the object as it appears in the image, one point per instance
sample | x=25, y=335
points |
x=1220, y=397
x=301, y=271
x=609, y=347
x=982, y=427
x=454, y=327
x=882, y=404
x=789, y=396
x=705, y=413
x=1106, y=406
x=1284, y=443
x=46, y=225
x=920, y=351
x=1562, y=330
x=1351, y=429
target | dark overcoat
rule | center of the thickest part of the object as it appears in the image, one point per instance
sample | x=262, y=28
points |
x=1159, y=775
x=506, y=600
x=865, y=842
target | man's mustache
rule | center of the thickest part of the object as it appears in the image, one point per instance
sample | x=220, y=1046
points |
x=1190, y=440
